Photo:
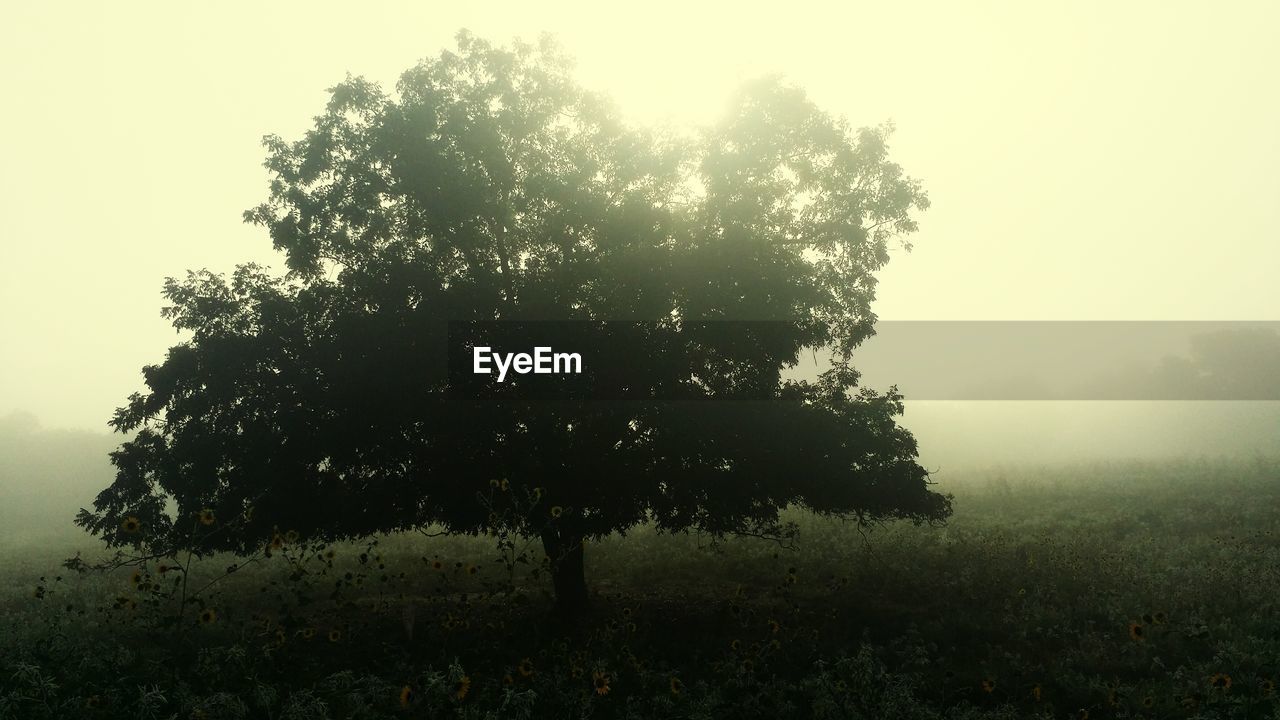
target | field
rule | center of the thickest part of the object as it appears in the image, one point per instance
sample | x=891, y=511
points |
x=1139, y=590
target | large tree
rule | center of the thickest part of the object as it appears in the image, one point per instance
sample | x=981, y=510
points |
x=487, y=191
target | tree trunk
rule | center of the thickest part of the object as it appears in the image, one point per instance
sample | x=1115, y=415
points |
x=568, y=576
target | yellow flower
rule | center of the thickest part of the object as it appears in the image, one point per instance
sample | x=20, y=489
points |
x=131, y=525
x=556, y=511
x=291, y=537
x=505, y=485
x=1220, y=681
x=1082, y=714
x=1036, y=692
x=437, y=565
x=1267, y=687
x=308, y=633
x=1148, y=702
x=1160, y=618
x=406, y=696
x=525, y=668
x=136, y=578
x=1137, y=631
x=335, y=635
x=988, y=685
x=677, y=687
x=461, y=688
x=774, y=626
x=208, y=616
x=600, y=681
x=508, y=680
x=472, y=569
x=93, y=701
x=330, y=554
x=206, y=517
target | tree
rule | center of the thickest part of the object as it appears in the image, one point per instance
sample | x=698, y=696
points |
x=491, y=189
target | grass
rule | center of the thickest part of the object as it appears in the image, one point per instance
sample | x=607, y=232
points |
x=1139, y=590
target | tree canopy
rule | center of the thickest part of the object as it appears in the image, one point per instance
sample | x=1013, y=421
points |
x=489, y=188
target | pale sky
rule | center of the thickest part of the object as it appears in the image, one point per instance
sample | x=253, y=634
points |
x=1086, y=160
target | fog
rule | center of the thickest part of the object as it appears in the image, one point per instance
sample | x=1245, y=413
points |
x=1086, y=161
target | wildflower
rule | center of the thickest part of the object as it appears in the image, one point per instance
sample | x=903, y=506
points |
x=735, y=645
x=131, y=525
x=406, y=696
x=1160, y=618
x=335, y=635
x=504, y=485
x=677, y=687
x=1148, y=702
x=525, y=668
x=774, y=626
x=308, y=633
x=537, y=493
x=277, y=541
x=600, y=681
x=461, y=688
x=291, y=537
x=508, y=680
x=1220, y=681
x=556, y=511
x=93, y=701
x=1036, y=692
x=988, y=685
x=1137, y=631
x=207, y=517
x=1268, y=688
x=208, y=616
x=747, y=665
x=493, y=483
x=136, y=578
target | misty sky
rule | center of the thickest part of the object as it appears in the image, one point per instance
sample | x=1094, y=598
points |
x=1085, y=160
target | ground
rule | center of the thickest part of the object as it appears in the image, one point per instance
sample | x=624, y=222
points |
x=1127, y=590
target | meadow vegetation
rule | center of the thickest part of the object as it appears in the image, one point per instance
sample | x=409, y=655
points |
x=1119, y=590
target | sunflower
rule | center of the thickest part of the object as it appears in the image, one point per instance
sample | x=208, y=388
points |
x=208, y=616
x=1268, y=688
x=461, y=688
x=277, y=541
x=556, y=511
x=472, y=569
x=131, y=525
x=136, y=578
x=525, y=668
x=600, y=680
x=735, y=645
x=504, y=485
x=774, y=626
x=291, y=537
x=493, y=482
x=677, y=687
x=1148, y=619
x=988, y=685
x=1160, y=618
x=437, y=565
x=93, y=701
x=308, y=633
x=207, y=517
x=1148, y=702
x=1036, y=692
x=508, y=680
x=330, y=554
x=1137, y=631
x=335, y=635
x=537, y=493
x=1220, y=681
x=406, y=696
x=1082, y=714
x=748, y=666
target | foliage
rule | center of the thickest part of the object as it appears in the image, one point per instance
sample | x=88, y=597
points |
x=490, y=188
